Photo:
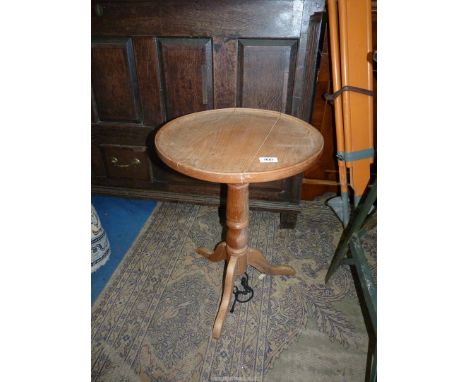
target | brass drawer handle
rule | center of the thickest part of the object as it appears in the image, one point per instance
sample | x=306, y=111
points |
x=115, y=161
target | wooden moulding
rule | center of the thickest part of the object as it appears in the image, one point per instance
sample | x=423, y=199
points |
x=192, y=198
x=321, y=182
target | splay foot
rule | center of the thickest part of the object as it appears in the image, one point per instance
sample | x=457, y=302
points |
x=218, y=254
x=256, y=259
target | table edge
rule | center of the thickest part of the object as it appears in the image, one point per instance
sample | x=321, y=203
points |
x=235, y=178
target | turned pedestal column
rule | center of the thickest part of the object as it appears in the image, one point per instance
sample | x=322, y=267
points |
x=236, y=251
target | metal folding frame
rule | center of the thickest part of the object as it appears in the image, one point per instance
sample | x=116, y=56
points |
x=363, y=219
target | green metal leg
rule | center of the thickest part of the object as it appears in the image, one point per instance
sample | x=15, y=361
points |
x=368, y=287
x=354, y=226
x=350, y=244
x=373, y=373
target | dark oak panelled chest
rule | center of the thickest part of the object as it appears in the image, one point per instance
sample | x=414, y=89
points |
x=153, y=61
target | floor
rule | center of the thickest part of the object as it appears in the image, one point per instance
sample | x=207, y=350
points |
x=122, y=219
x=294, y=329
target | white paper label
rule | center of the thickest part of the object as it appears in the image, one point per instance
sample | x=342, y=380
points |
x=268, y=159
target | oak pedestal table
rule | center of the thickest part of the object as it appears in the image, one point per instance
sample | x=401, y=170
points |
x=238, y=146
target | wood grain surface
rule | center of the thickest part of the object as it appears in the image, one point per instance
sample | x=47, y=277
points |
x=225, y=145
x=114, y=80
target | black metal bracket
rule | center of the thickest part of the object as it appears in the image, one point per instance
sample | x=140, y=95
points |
x=330, y=97
x=247, y=290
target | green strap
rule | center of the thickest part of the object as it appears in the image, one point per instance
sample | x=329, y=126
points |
x=355, y=155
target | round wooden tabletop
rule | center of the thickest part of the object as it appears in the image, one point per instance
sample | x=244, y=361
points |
x=238, y=145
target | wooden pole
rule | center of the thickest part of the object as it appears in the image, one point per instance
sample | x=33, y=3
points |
x=355, y=24
x=337, y=104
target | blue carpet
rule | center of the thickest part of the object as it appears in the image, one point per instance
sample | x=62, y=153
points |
x=122, y=219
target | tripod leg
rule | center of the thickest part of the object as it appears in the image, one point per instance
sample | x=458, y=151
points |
x=256, y=259
x=227, y=293
x=217, y=255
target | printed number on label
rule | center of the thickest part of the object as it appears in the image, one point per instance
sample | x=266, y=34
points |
x=268, y=159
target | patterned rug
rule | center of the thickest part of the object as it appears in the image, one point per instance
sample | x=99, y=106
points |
x=153, y=321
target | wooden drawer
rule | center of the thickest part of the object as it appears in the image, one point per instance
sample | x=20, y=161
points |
x=129, y=162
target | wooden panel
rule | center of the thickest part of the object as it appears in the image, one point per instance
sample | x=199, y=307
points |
x=265, y=74
x=147, y=66
x=114, y=80
x=307, y=66
x=187, y=75
x=260, y=18
x=127, y=162
x=224, y=71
